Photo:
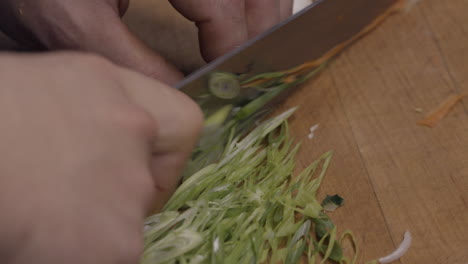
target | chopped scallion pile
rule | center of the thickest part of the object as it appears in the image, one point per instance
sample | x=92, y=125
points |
x=248, y=207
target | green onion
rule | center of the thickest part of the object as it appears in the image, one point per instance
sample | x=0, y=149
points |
x=350, y=235
x=218, y=118
x=297, y=244
x=247, y=207
x=239, y=201
x=224, y=85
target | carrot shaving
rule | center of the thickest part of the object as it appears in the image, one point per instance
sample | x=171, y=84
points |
x=289, y=79
x=255, y=83
x=433, y=118
x=303, y=67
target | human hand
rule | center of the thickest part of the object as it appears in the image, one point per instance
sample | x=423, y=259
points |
x=225, y=24
x=86, y=151
x=95, y=26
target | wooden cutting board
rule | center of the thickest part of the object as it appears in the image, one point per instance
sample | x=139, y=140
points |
x=394, y=174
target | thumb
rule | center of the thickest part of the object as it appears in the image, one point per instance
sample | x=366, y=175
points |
x=100, y=30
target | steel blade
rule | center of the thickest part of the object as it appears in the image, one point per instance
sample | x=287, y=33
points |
x=306, y=36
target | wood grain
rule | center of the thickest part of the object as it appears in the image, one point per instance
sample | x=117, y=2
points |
x=347, y=176
x=395, y=174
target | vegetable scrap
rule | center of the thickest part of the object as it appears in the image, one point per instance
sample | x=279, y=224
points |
x=331, y=203
x=434, y=117
x=418, y=110
x=400, y=251
x=312, y=130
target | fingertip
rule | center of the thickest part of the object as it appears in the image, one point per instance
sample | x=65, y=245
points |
x=221, y=24
x=196, y=116
x=189, y=117
x=219, y=38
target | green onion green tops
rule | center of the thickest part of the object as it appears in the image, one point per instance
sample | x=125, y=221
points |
x=247, y=207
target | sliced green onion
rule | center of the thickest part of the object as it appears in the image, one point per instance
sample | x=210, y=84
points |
x=218, y=118
x=246, y=206
x=349, y=234
x=297, y=244
x=175, y=244
x=224, y=85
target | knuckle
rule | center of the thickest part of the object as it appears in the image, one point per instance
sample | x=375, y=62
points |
x=138, y=121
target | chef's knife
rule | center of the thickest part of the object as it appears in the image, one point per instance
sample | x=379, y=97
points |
x=309, y=35
x=236, y=89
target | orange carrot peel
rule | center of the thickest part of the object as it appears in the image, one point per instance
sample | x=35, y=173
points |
x=434, y=117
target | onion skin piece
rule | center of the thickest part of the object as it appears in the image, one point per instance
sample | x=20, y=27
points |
x=400, y=251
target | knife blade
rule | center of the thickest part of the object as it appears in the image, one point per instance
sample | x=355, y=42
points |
x=236, y=89
x=308, y=36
